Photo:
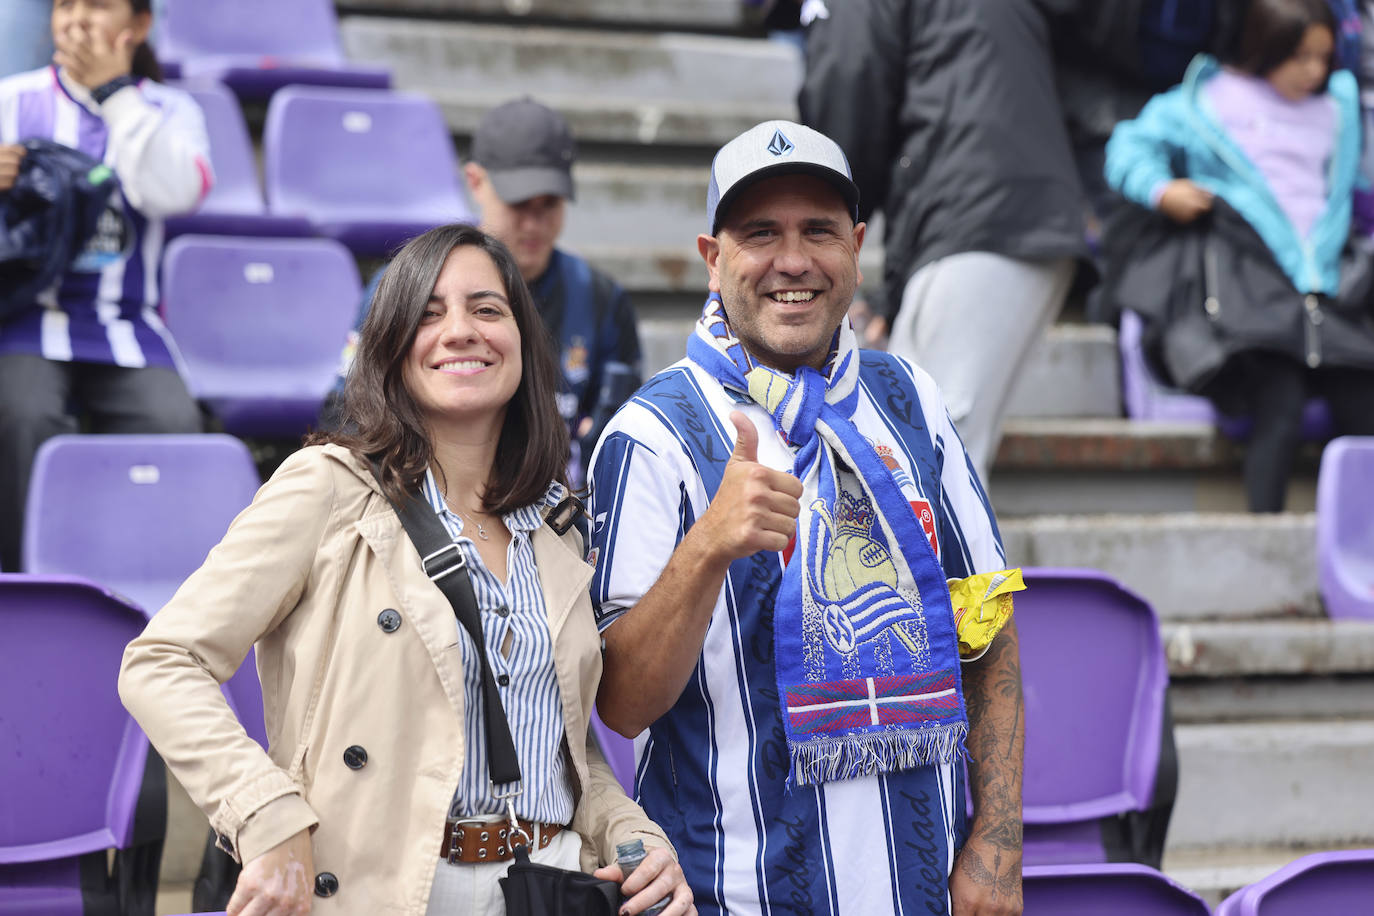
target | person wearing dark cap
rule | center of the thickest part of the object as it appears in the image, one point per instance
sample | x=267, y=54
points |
x=520, y=176
x=775, y=520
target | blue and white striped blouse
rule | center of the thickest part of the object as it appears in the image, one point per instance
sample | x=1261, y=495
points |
x=527, y=680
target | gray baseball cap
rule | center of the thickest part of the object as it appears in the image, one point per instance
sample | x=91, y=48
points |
x=771, y=149
x=527, y=150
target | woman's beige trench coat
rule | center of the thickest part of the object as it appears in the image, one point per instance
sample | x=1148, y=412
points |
x=306, y=572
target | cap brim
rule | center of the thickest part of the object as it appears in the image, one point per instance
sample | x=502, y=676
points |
x=516, y=185
x=838, y=180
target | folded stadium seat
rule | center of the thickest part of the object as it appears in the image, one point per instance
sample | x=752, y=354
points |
x=257, y=46
x=72, y=760
x=235, y=204
x=371, y=169
x=1101, y=768
x=1148, y=399
x=1345, y=527
x=1320, y=883
x=1121, y=889
x=260, y=324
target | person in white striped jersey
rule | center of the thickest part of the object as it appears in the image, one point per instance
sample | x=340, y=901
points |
x=774, y=521
x=93, y=347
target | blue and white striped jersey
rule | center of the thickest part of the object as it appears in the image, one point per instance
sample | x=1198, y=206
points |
x=105, y=308
x=712, y=770
x=530, y=695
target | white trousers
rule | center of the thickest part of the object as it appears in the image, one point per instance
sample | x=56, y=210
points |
x=970, y=320
x=463, y=889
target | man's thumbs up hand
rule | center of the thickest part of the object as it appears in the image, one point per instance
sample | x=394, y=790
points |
x=756, y=507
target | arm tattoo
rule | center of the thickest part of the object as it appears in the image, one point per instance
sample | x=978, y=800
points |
x=996, y=741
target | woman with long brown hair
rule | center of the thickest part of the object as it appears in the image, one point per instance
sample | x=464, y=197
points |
x=374, y=795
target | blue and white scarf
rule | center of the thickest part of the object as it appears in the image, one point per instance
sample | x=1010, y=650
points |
x=865, y=647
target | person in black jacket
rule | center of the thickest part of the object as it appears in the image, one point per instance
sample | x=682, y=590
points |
x=948, y=114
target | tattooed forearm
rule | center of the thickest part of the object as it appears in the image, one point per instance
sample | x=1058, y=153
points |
x=996, y=741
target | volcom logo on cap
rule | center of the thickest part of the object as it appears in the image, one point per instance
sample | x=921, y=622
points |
x=780, y=145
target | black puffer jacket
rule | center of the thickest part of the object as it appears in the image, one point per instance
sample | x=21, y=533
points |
x=1211, y=290
x=46, y=218
x=948, y=114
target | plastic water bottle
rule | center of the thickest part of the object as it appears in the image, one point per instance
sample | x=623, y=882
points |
x=628, y=856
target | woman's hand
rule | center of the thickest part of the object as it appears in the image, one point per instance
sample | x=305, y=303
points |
x=279, y=882
x=91, y=58
x=1183, y=201
x=11, y=155
x=658, y=876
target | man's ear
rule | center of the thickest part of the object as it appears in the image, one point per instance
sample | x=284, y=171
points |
x=859, y=231
x=709, y=249
x=474, y=174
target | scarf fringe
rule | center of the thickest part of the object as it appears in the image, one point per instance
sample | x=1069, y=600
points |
x=831, y=759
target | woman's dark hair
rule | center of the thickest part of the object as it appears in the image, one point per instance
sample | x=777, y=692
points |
x=1274, y=29
x=379, y=418
x=145, y=65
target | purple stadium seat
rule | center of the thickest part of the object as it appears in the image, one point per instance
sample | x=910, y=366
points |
x=1148, y=399
x=1315, y=885
x=147, y=511
x=257, y=46
x=1345, y=527
x=71, y=759
x=235, y=205
x=1101, y=771
x=260, y=324
x=619, y=752
x=371, y=169
x=1119, y=889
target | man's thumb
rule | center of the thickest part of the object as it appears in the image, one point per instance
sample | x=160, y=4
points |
x=746, y=438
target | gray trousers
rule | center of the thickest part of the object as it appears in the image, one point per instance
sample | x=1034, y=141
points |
x=41, y=398
x=970, y=320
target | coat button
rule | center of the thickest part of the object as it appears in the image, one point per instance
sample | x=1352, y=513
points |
x=224, y=842
x=503, y=679
x=503, y=611
x=355, y=757
x=389, y=620
x=326, y=884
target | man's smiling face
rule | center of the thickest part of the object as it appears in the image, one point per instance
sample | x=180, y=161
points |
x=786, y=264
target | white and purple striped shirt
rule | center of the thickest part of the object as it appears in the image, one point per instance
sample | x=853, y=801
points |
x=526, y=678
x=153, y=136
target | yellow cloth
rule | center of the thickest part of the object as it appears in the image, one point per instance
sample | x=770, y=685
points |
x=982, y=606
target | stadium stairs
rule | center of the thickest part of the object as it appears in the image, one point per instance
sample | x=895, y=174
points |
x=1274, y=702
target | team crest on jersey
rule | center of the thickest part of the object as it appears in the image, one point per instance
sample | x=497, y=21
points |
x=111, y=242
x=575, y=360
x=924, y=513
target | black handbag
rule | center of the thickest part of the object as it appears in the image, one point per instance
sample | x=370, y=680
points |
x=530, y=889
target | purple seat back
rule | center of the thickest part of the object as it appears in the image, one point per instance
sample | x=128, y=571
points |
x=244, y=693
x=619, y=752
x=71, y=758
x=1345, y=527
x=260, y=324
x=1323, y=882
x=1121, y=889
x=372, y=169
x=147, y=511
x=258, y=46
x=1095, y=679
x=1148, y=399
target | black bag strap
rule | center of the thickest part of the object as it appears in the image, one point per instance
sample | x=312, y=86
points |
x=446, y=567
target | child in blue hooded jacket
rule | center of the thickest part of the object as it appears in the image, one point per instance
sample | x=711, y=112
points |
x=1274, y=133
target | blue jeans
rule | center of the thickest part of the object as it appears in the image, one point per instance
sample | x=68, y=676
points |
x=25, y=35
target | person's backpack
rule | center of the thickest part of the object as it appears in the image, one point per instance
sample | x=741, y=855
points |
x=46, y=219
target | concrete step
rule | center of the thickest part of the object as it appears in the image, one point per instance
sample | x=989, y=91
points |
x=1086, y=465
x=644, y=88
x=1283, y=783
x=1190, y=567
x=707, y=15
x=1074, y=371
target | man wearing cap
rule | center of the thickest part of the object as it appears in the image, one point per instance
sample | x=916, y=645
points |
x=774, y=521
x=520, y=176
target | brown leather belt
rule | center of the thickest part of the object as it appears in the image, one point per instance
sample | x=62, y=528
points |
x=473, y=841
